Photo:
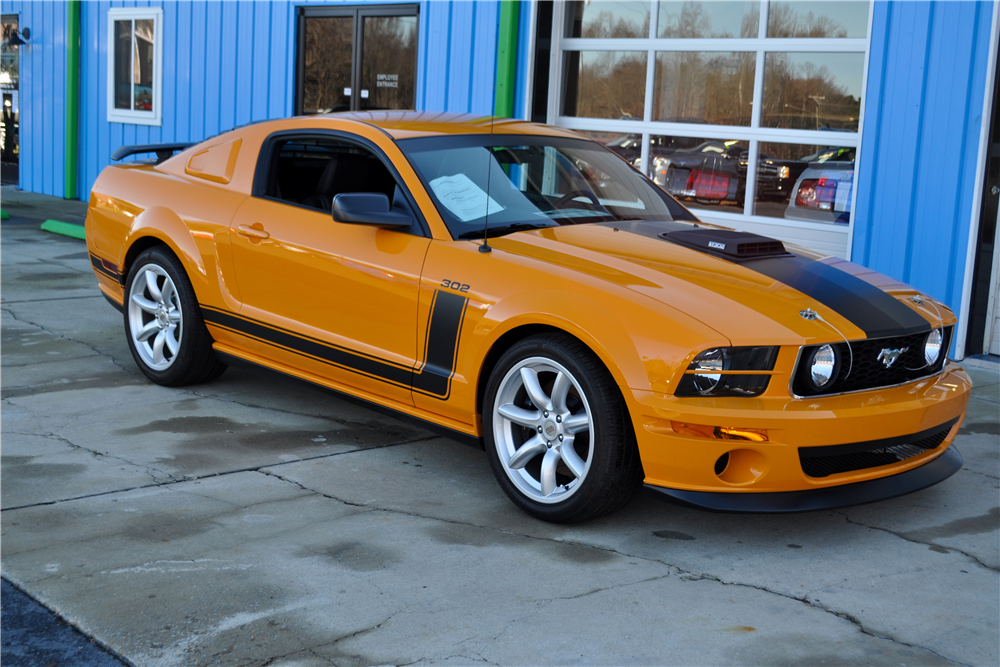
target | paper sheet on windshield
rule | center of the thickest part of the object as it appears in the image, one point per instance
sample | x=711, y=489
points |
x=466, y=200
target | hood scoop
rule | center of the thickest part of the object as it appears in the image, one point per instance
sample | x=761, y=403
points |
x=728, y=244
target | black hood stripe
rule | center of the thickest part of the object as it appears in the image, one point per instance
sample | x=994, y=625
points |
x=873, y=311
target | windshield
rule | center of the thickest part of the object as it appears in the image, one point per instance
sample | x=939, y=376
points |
x=522, y=182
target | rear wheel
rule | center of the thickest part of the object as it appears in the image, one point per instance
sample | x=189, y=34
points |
x=558, y=436
x=163, y=323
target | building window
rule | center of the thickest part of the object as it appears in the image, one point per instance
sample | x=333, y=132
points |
x=693, y=92
x=135, y=65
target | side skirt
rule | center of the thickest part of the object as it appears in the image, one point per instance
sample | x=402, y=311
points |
x=444, y=431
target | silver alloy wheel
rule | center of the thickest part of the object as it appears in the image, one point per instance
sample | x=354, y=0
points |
x=155, y=317
x=541, y=411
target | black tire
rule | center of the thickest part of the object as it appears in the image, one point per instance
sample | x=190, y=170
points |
x=614, y=470
x=194, y=361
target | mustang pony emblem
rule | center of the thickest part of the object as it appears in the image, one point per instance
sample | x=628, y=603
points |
x=888, y=357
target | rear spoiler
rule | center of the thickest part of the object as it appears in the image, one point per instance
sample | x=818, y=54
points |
x=163, y=151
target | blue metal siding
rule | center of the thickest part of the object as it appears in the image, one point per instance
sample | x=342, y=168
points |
x=457, y=61
x=224, y=64
x=42, y=95
x=917, y=169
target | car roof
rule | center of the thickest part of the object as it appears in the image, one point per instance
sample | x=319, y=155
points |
x=411, y=124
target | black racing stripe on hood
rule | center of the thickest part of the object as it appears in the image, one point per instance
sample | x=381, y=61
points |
x=873, y=311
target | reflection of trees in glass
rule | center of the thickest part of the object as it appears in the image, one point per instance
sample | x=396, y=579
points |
x=612, y=84
x=715, y=87
x=327, y=64
x=123, y=65
x=8, y=57
x=806, y=95
x=390, y=49
x=612, y=20
x=784, y=21
x=694, y=19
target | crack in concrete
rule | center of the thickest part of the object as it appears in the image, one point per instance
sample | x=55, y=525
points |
x=680, y=573
x=984, y=474
x=102, y=455
x=336, y=420
x=926, y=544
x=65, y=337
x=195, y=478
x=55, y=298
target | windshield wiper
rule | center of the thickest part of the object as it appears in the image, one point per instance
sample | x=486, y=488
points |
x=500, y=231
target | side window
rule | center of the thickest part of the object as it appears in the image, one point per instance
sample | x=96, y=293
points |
x=311, y=171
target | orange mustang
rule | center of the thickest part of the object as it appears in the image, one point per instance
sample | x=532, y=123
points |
x=524, y=289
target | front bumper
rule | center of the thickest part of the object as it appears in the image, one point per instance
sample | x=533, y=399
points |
x=859, y=493
x=769, y=475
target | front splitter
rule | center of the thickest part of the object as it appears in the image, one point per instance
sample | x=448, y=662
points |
x=831, y=497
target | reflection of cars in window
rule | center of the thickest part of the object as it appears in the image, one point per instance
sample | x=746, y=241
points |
x=823, y=191
x=602, y=339
x=715, y=171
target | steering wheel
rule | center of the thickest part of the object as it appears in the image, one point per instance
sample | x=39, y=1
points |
x=570, y=196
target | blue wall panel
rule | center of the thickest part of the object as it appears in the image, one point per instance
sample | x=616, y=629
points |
x=458, y=44
x=917, y=169
x=224, y=64
x=42, y=95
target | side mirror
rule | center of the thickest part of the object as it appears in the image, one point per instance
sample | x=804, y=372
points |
x=368, y=208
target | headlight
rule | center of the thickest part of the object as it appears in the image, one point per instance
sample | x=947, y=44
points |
x=783, y=172
x=706, y=374
x=932, y=347
x=822, y=365
x=709, y=360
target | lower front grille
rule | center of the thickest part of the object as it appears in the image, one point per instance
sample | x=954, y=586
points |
x=833, y=459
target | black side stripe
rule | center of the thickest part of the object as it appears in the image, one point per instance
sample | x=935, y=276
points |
x=99, y=266
x=433, y=379
x=875, y=312
x=444, y=329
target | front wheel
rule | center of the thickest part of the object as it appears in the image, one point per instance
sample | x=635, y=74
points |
x=163, y=323
x=558, y=436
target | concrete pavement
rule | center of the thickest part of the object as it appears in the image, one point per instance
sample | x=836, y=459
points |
x=245, y=522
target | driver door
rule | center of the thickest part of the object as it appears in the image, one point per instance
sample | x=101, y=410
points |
x=329, y=299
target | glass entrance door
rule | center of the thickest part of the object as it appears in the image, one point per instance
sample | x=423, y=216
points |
x=9, y=112
x=356, y=58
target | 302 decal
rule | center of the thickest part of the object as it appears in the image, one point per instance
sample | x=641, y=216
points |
x=455, y=285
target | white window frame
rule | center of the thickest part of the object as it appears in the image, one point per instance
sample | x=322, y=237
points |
x=826, y=235
x=133, y=116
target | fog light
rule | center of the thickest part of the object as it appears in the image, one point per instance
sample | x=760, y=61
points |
x=822, y=366
x=932, y=348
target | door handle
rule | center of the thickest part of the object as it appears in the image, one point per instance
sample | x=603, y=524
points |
x=254, y=231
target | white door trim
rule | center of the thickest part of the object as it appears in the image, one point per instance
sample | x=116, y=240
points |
x=965, y=305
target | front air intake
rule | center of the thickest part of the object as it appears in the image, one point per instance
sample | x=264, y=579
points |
x=735, y=246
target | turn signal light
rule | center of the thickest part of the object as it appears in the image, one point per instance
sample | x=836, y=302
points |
x=720, y=432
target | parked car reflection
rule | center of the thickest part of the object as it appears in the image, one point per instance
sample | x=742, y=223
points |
x=824, y=189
